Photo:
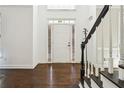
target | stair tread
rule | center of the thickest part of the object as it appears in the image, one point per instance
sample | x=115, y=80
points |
x=113, y=78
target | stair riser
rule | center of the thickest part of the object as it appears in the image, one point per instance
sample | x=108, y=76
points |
x=93, y=84
x=80, y=85
x=107, y=83
x=85, y=85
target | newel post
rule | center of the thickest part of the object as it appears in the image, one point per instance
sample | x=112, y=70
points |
x=82, y=70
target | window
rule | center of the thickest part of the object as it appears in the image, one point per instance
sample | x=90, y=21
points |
x=61, y=21
x=61, y=7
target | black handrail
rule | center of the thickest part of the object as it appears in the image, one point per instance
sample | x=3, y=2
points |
x=98, y=21
x=93, y=29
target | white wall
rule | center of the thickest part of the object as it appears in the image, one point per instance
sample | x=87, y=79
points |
x=25, y=33
x=17, y=36
x=91, y=17
x=0, y=37
x=80, y=14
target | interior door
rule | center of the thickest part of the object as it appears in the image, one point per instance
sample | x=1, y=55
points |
x=61, y=43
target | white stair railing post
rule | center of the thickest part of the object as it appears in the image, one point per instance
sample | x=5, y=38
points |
x=85, y=57
x=92, y=61
x=121, y=61
x=94, y=50
x=96, y=63
x=89, y=58
x=85, y=62
x=102, y=45
x=91, y=54
x=110, y=63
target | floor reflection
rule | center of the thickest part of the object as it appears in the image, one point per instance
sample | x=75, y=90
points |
x=57, y=75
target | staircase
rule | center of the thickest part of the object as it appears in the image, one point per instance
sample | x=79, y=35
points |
x=96, y=74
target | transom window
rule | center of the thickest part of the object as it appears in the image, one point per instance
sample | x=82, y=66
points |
x=57, y=21
x=61, y=7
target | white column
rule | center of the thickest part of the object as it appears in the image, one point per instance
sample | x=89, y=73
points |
x=110, y=63
x=96, y=63
x=1, y=52
x=121, y=71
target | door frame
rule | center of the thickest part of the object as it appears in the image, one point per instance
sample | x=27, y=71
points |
x=49, y=48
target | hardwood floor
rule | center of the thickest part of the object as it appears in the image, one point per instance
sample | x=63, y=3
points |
x=43, y=76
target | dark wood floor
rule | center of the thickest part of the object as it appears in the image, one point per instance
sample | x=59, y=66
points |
x=43, y=76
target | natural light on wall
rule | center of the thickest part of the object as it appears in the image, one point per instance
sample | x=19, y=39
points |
x=0, y=37
x=61, y=7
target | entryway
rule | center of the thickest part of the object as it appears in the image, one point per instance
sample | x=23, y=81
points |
x=61, y=41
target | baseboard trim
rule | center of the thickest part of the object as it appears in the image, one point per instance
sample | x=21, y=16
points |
x=57, y=62
x=17, y=67
x=28, y=66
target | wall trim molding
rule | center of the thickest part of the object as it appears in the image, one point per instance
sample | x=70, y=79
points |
x=17, y=67
x=31, y=66
x=58, y=62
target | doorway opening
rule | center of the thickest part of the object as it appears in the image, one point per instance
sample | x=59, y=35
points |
x=61, y=41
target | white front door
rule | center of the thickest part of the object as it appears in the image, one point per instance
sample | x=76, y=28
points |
x=61, y=43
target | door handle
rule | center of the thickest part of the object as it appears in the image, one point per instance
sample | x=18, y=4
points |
x=69, y=44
